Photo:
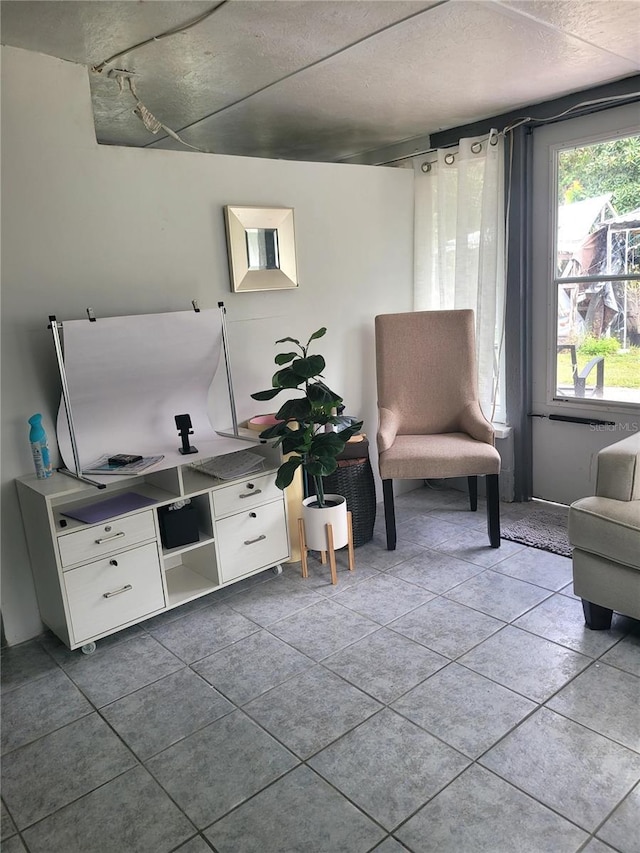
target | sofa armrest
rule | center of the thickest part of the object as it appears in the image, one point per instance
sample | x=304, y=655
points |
x=619, y=470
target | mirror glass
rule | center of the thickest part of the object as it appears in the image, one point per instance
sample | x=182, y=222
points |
x=262, y=248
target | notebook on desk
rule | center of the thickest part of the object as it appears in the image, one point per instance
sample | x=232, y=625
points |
x=109, y=508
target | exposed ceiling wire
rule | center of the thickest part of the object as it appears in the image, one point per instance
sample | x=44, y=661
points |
x=152, y=124
x=596, y=102
x=181, y=28
x=124, y=78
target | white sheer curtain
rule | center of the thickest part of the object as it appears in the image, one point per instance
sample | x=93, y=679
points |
x=460, y=247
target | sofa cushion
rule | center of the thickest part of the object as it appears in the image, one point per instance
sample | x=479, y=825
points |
x=607, y=527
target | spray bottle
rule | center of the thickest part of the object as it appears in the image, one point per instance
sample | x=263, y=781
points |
x=39, y=447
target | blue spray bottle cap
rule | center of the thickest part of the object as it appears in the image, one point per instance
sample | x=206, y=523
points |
x=37, y=432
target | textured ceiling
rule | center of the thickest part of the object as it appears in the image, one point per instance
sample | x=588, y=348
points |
x=325, y=80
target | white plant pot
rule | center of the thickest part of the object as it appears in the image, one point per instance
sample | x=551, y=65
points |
x=316, y=519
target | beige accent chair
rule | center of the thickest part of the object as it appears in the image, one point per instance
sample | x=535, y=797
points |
x=605, y=533
x=430, y=422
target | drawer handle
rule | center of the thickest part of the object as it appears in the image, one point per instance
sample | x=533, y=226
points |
x=125, y=588
x=251, y=494
x=252, y=541
x=109, y=538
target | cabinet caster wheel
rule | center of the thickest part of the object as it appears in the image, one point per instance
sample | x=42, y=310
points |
x=88, y=648
x=277, y=570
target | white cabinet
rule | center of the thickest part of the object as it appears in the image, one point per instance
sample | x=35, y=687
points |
x=95, y=579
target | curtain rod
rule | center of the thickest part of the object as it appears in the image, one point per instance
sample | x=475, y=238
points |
x=539, y=120
x=491, y=136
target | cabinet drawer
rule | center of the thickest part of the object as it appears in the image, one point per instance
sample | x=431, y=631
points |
x=113, y=591
x=248, y=492
x=88, y=544
x=251, y=540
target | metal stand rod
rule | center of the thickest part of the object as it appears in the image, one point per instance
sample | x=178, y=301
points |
x=82, y=478
x=227, y=363
x=248, y=438
x=55, y=331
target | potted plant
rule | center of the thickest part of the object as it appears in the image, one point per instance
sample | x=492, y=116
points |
x=305, y=432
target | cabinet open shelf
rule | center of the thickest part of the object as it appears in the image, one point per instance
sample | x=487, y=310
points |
x=194, y=482
x=204, y=539
x=185, y=584
x=66, y=524
x=191, y=573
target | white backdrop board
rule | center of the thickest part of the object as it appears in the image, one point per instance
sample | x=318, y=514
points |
x=128, y=377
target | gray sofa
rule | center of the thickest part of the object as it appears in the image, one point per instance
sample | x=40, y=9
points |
x=605, y=533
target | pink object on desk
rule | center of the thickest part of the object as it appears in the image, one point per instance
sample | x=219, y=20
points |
x=260, y=422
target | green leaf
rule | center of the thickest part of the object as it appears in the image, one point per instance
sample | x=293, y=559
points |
x=320, y=333
x=285, y=357
x=274, y=431
x=321, y=468
x=286, y=378
x=296, y=409
x=327, y=442
x=266, y=395
x=296, y=440
x=287, y=471
x=320, y=395
x=308, y=367
x=325, y=457
x=289, y=340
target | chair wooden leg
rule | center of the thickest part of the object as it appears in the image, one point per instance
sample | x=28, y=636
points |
x=473, y=492
x=389, y=514
x=303, y=548
x=350, y=541
x=493, y=510
x=332, y=554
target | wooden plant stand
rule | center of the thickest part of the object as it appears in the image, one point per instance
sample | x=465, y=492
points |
x=323, y=554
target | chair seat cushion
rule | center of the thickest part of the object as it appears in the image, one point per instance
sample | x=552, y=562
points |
x=453, y=454
x=608, y=528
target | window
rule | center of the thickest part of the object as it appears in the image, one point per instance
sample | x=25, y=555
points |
x=597, y=271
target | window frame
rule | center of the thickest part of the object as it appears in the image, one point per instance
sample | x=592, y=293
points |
x=554, y=399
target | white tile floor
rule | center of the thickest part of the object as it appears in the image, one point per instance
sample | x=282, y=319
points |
x=445, y=697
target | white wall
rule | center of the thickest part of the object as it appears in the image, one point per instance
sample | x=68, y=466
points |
x=128, y=231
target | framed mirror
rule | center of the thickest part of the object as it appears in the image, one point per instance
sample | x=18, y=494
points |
x=261, y=247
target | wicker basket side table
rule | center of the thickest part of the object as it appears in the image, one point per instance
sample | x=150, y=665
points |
x=353, y=479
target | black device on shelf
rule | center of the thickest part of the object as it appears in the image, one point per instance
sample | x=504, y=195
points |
x=178, y=527
x=183, y=424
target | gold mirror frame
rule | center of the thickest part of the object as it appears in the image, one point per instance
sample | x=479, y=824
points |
x=240, y=220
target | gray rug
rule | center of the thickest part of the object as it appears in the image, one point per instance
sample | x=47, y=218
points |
x=542, y=529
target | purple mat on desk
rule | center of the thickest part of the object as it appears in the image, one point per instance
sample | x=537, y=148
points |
x=118, y=505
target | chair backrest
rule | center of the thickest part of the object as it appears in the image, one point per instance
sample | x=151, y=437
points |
x=426, y=368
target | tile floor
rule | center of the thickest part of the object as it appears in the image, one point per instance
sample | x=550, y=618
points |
x=446, y=697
